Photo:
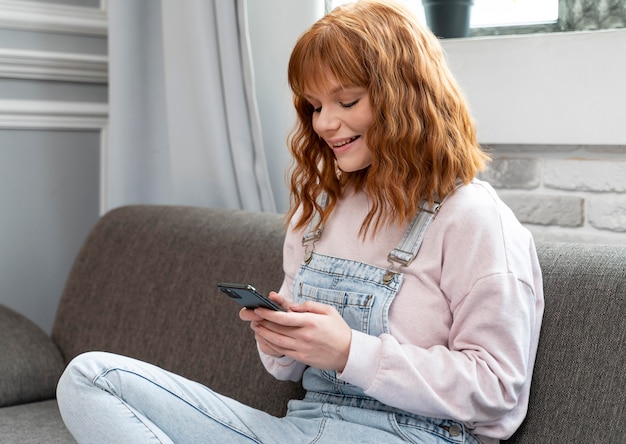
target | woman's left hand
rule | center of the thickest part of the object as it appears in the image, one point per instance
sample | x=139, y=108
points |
x=312, y=333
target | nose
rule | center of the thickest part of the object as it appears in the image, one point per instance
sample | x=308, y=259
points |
x=325, y=121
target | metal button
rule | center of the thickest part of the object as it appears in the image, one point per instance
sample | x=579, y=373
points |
x=455, y=430
x=388, y=277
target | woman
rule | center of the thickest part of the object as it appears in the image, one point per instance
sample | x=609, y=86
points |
x=413, y=295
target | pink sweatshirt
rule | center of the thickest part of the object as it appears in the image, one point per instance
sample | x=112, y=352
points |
x=464, y=326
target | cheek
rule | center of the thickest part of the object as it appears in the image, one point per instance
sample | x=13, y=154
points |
x=314, y=123
x=368, y=118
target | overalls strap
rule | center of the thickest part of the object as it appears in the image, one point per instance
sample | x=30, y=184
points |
x=314, y=234
x=412, y=239
x=413, y=236
x=405, y=251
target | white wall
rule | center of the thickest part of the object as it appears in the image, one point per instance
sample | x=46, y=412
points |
x=556, y=88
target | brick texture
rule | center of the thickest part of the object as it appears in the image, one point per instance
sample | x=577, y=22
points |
x=563, y=193
x=564, y=211
x=585, y=175
x=513, y=172
x=608, y=213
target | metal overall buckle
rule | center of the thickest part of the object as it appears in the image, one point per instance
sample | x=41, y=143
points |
x=392, y=269
x=308, y=242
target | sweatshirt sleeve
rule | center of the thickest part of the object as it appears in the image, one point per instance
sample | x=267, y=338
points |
x=283, y=369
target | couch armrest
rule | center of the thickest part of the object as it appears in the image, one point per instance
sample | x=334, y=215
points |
x=30, y=363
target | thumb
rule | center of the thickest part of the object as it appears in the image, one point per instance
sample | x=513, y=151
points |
x=310, y=307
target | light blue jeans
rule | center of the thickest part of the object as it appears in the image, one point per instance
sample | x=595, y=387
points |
x=106, y=398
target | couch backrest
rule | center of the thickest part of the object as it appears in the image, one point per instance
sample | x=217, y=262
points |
x=578, y=392
x=144, y=285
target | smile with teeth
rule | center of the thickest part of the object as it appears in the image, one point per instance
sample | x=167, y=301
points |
x=345, y=142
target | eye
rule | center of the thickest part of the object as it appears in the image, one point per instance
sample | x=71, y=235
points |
x=314, y=108
x=349, y=105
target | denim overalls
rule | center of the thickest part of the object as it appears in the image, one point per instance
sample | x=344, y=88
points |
x=362, y=294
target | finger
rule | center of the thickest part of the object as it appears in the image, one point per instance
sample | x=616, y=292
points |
x=267, y=348
x=277, y=330
x=266, y=328
x=276, y=297
x=274, y=336
x=280, y=318
x=311, y=307
x=248, y=315
x=280, y=300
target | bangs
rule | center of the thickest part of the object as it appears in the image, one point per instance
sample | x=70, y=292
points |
x=329, y=47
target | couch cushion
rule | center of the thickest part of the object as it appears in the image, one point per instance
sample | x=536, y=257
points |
x=145, y=285
x=35, y=423
x=30, y=363
x=579, y=382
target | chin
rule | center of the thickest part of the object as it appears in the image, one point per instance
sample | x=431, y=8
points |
x=353, y=167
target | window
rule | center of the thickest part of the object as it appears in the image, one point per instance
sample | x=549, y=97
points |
x=487, y=13
x=513, y=12
x=498, y=17
x=554, y=16
x=494, y=17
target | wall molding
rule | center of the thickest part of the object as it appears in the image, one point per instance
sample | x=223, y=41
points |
x=38, y=114
x=46, y=65
x=47, y=17
x=69, y=116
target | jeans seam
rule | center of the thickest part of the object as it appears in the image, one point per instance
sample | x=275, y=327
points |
x=102, y=375
x=433, y=432
x=320, y=431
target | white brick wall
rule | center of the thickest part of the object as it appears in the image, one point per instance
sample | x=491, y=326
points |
x=568, y=193
x=585, y=174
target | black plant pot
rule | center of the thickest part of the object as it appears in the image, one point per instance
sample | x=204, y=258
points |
x=448, y=18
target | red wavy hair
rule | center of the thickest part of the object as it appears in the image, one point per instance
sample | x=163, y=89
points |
x=422, y=139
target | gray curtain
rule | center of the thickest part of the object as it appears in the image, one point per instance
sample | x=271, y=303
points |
x=184, y=126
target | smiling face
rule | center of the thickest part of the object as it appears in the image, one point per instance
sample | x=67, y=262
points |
x=341, y=117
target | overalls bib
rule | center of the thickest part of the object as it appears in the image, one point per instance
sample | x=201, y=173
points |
x=362, y=294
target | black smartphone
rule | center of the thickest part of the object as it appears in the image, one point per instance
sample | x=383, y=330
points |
x=247, y=296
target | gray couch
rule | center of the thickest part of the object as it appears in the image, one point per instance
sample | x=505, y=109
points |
x=144, y=285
